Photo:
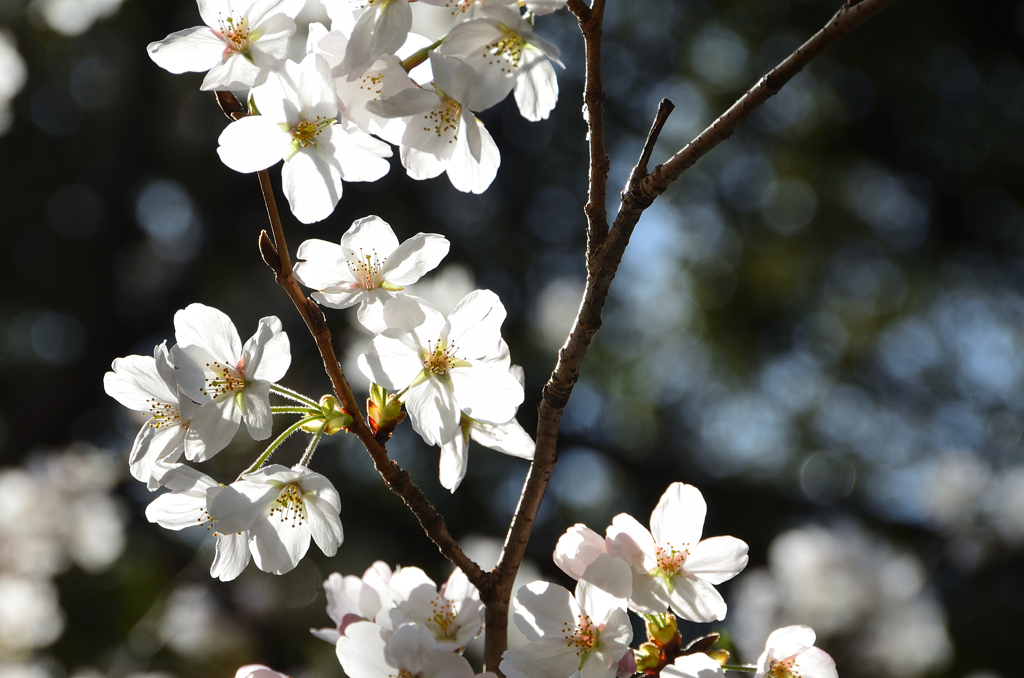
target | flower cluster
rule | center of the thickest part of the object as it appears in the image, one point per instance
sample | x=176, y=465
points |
x=318, y=114
x=193, y=396
x=400, y=623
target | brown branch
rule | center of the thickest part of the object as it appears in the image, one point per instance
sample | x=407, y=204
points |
x=639, y=195
x=603, y=261
x=276, y=256
x=591, y=20
x=665, y=108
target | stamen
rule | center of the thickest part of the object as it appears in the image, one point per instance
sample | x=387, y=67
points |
x=366, y=269
x=671, y=560
x=442, y=620
x=163, y=414
x=225, y=380
x=582, y=636
x=441, y=358
x=235, y=33
x=290, y=504
x=305, y=133
x=508, y=47
x=784, y=669
x=445, y=121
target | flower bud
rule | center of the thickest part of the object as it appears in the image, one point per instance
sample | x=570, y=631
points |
x=662, y=628
x=648, y=658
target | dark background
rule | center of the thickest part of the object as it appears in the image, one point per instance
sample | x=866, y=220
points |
x=818, y=325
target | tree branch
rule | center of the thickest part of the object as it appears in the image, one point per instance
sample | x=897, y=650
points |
x=605, y=252
x=276, y=256
x=591, y=20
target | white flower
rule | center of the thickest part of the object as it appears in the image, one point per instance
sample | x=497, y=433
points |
x=240, y=43
x=281, y=508
x=697, y=665
x=447, y=366
x=367, y=268
x=148, y=385
x=381, y=27
x=454, y=615
x=409, y=651
x=185, y=506
x=297, y=124
x=442, y=134
x=509, y=438
x=231, y=381
x=790, y=653
x=577, y=549
x=501, y=47
x=351, y=599
x=588, y=632
x=672, y=566
x=258, y=671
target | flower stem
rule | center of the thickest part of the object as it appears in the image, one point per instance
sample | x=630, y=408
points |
x=311, y=448
x=417, y=58
x=294, y=410
x=739, y=667
x=294, y=395
x=277, y=441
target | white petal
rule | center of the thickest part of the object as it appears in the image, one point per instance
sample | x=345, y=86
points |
x=174, y=511
x=509, y=438
x=209, y=328
x=414, y=258
x=454, y=462
x=325, y=526
x=231, y=556
x=275, y=357
x=815, y=663
x=135, y=381
x=356, y=155
x=577, y=549
x=312, y=186
x=485, y=394
x=543, y=658
x=320, y=264
x=236, y=507
x=191, y=50
x=696, y=600
x=474, y=161
x=233, y=72
x=693, y=666
x=212, y=428
x=361, y=651
x=536, y=88
x=717, y=559
x=369, y=236
x=391, y=362
x=434, y=413
x=629, y=540
x=789, y=640
x=678, y=519
x=256, y=410
x=278, y=543
x=606, y=585
x=544, y=609
x=476, y=324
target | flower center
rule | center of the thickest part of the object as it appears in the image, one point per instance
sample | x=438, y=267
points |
x=441, y=358
x=164, y=414
x=224, y=380
x=445, y=119
x=784, y=669
x=459, y=5
x=366, y=269
x=671, y=560
x=509, y=46
x=304, y=133
x=442, y=619
x=582, y=636
x=235, y=33
x=290, y=505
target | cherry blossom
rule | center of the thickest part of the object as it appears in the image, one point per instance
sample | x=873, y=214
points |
x=442, y=134
x=297, y=123
x=352, y=599
x=697, y=665
x=281, y=508
x=258, y=671
x=231, y=381
x=588, y=632
x=364, y=652
x=454, y=615
x=148, y=385
x=509, y=438
x=502, y=48
x=242, y=41
x=185, y=506
x=445, y=367
x=671, y=567
x=790, y=653
x=367, y=268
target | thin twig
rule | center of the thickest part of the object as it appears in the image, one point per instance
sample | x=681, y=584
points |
x=665, y=108
x=591, y=20
x=276, y=256
x=603, y=262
